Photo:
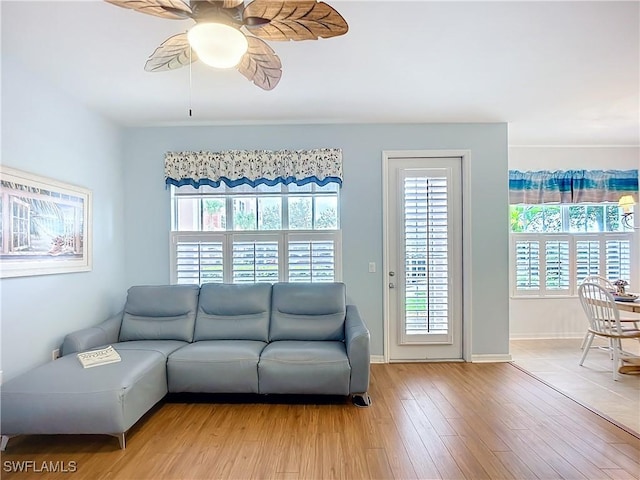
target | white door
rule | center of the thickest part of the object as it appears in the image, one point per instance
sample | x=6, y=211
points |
x=424, y=258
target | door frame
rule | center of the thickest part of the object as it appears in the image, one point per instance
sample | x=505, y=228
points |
x=465, y=156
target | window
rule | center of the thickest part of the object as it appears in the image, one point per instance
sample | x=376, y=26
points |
x=244, y=234
x=20, y=221
x=426, y=250
x=554, y=247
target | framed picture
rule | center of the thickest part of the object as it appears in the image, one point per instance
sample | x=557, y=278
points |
x=45, y=225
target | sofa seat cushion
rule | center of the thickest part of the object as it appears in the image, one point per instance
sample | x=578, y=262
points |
x=61, y=397
x=304, y=367
x=215, y=366
x=165, y=347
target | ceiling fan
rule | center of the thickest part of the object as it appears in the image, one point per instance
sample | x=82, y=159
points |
x=228, y=33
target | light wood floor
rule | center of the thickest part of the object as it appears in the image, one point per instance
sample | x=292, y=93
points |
x=556, y=362
x=428, y=421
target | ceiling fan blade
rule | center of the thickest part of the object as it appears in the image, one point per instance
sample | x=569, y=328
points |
x=260, y=64
x=293, y=20
x=174, y=9
x=175, y=52
x=232, y=3
x=222, y=3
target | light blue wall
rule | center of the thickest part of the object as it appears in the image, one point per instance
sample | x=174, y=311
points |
x=46, y=133
x=147, y=215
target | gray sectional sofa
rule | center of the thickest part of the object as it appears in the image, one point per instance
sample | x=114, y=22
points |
x=284, y=338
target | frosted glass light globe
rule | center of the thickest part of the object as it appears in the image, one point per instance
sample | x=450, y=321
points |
x=218, y=45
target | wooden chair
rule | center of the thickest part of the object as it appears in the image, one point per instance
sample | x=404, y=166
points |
x=604, y=321
x=627, y=323
x=603, y=282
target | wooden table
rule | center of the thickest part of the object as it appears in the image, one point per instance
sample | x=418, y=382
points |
x=629, y=306
x=633, y=362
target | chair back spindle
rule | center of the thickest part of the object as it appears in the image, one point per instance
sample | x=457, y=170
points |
x=600, y=307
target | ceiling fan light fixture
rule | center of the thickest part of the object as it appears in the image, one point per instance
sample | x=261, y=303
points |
x=218, y=45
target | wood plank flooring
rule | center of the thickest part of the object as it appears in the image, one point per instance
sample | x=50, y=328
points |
x=427, y=421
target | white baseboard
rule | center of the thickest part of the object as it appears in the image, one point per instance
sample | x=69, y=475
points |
x=543, y=336
x=491, y=358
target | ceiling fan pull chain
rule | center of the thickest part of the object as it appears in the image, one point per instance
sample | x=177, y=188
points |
x=190, y=83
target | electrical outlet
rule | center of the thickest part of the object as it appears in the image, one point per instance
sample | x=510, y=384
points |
x=55, y=354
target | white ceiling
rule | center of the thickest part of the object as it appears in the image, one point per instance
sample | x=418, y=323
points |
x=561, y=73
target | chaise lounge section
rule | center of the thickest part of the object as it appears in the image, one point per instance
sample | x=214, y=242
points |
x=259, y=338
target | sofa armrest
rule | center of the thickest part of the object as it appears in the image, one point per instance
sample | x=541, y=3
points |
x=87, y=338
x=357, y=343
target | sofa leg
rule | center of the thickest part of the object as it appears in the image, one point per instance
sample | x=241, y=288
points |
x=3, y=442
x=121, y=441
x=361, y=399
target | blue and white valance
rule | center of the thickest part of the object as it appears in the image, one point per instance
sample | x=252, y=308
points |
x=253, y=167
x=571, y=186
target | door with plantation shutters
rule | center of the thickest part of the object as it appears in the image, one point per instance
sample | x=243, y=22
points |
x=424, y=276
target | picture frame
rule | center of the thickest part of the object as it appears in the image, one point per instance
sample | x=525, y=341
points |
x=45, y=225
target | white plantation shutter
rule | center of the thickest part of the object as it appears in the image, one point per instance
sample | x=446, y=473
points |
x=542, y=265
x=527, y=268
x=255, y=261
x=557, y=266
x=236, y=257
x=567, y=260
x=311, y=260
x=618, y=259
x=610, y=258
x=587, y=259
x=426, y=253
x=198, y=261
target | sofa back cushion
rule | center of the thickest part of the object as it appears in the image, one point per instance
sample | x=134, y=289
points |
x=308, y=311
x=160, y=312
x=233, y=312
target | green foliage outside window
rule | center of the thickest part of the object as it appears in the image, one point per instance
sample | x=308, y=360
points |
x=327, y=219
x=213, y=206
x=270, y=218
x=564, y=218
x=244, y=220
x=300, y=214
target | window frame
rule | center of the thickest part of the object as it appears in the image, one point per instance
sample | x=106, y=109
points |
x=573, y=238
x=228, y=237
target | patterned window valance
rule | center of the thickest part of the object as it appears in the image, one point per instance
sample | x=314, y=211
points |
x=571, y=186
x=253, y=167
